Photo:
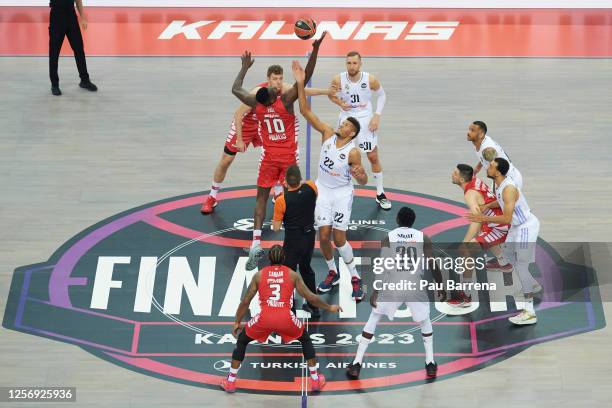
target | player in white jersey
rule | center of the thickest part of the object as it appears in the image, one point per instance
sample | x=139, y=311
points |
x=415, y=244
x=355, y=99
x=487, y=149
x=340, y=162
x=522, y=235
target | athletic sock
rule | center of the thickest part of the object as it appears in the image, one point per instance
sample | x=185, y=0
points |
x=331, y=265
x=346, y=252
x=378, y=178
x=529, y=306
x=429, y=354
x=256, y=238
x=361, y=349
x=503, y=260
x=214, y=189
x=313, y=372
x=231, y=377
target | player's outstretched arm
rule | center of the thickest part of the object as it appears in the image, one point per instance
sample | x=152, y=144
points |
x=245, y=96
x=292, y=95
x=510, y=195
x=315, y=122
x=310, y=297
x=243, y=307
x=356, y=168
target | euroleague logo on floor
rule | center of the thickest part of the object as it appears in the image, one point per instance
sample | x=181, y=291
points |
x=155, y=289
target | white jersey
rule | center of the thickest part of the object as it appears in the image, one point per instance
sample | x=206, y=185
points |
x=512, y=171
x=409, y=242
x=522, y=212
x=334, y=166
x=357, y=94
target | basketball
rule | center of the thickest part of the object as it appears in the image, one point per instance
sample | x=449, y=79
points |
x=305, y=28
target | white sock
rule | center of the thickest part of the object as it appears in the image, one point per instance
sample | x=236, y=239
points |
x=331, y=265
x=378, y=178
x=313, y=372
x=528, y=282
x=503, y=260
x=231, y=377
x=428, y=343
x=529, y=306
x=256, y=238
x=278, y=189
x=361, y=349
x=214, y=189
x=346, y=252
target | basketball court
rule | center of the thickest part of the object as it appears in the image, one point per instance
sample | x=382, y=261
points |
x=104, y=190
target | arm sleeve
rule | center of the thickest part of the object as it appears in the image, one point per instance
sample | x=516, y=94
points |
x=279, y=208
x=382, y=98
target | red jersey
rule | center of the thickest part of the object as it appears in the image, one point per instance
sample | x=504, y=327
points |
x=250, y=124
x=479, y=186
x=278, y=129
x=275, y=288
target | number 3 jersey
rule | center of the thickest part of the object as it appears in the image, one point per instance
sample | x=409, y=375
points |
x=279, y=129
x=275, y=288
x=334, y=166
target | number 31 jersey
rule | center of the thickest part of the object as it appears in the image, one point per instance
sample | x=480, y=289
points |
x=334, y=166
x=357, y=94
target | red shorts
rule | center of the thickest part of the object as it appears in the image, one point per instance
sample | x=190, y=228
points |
x=282, y=322
x=488, y=236
x=272, y=169
x=248, y=137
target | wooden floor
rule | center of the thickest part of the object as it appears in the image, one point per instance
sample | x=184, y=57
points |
x=156, y=129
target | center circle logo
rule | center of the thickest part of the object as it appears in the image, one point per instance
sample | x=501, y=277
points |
x=155, y=289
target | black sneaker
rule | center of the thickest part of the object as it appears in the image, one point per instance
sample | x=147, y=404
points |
x=55, y=90
x=432, y=370
x=383, y=202
x=88, y=85
x=353, y=370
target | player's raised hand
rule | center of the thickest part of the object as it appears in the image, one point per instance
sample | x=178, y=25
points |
x=317, y=43
x=247, y=61
x=298, y=72
x=335, y=308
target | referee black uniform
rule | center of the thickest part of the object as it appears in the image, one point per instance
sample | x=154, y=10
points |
x=295, y=209
x=63, y=22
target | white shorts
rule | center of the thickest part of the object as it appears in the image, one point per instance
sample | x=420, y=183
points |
x=334, y=207
x=366, y=140
x=521, y=241
x=516, y=176
x=419, y=310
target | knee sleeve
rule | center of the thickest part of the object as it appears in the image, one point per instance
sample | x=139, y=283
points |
x=241, y=345
x=426, y=327
x=370, y=326
x=346, y=252
x=307, y=347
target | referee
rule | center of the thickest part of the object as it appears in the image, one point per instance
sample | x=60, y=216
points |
x=295, y=209
x=63, y=22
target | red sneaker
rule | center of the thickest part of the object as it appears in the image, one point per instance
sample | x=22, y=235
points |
x=317, y=386
x=209, y=205
x=495, y=266
x=228, y=386
x=461, y=300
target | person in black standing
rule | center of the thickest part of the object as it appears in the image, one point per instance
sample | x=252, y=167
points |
x=63, y=22
x=295, y=209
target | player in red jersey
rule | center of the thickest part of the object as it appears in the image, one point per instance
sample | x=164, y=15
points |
x=275, y=285
x=244, y=130
x=278, y=124
x=489, y=235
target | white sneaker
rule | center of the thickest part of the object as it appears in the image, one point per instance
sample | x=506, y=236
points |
x=383, y=202
x=524, y=318
x=255, y=254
